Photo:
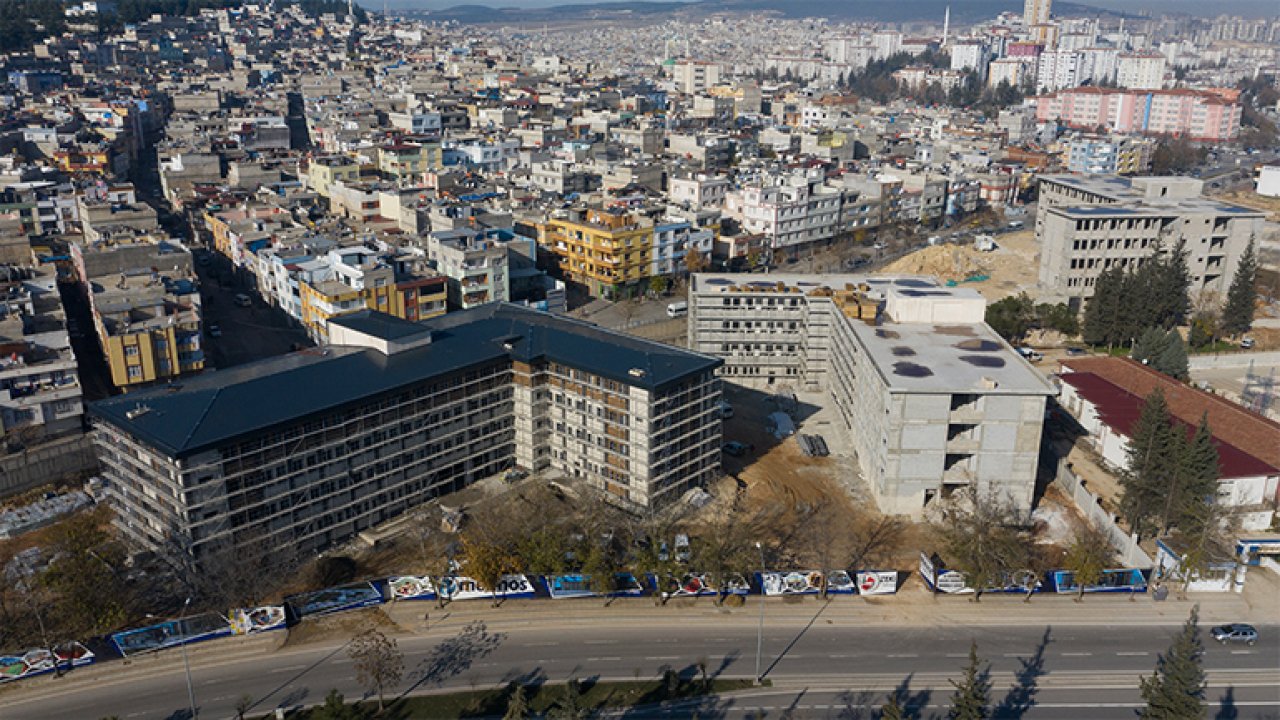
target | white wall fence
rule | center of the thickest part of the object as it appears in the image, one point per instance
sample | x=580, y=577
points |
x=1233, y=360
x=1125, y=544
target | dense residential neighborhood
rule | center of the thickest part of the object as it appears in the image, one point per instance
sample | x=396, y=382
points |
x=664, y=327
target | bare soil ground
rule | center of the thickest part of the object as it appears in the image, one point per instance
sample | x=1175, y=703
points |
x=340, y=626
x=1251, y=199
x=1012, y=267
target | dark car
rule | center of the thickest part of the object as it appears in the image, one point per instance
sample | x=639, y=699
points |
x=1237, y=632
x=736, y=449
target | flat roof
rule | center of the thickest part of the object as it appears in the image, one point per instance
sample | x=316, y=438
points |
x=208, y=410
x=938, y=358
x=805, y=282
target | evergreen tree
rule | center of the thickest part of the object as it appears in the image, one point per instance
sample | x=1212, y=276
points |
x=1153, y=451
x=1172, y=360
x=973, y=692
x=569, y=706
x=1196, y=479
x=1151, y=343
x=1103, y=308
x=517, y=704
x=892, y=710
x=1237, y=314
x=1171, y=295
x=335, y=707
x=1175, y=691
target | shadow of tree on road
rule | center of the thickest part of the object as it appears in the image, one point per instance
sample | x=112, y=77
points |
x=912, y=703
x=454, y=656
x=1227, y=709
x=1022, y=696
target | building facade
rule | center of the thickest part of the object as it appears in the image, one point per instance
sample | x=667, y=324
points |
x=304, y=451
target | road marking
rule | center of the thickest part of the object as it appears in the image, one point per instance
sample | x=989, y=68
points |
x=290, y=668
x=605, y=659
x=663, y=657
x=962, y=655
x=845, y=656
x=601, y=642
x=1133, y=654
x=1241, y=652
x=908, y=655
x=1015, y=655
x=1076, y=654
x=545, y=644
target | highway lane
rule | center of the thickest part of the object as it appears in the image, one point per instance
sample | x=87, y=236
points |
x=1060, y=661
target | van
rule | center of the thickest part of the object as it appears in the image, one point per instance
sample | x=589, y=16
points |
x=1016, y=225
x=677, y=309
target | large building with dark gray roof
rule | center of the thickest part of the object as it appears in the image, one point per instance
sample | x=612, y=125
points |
x=307, y=449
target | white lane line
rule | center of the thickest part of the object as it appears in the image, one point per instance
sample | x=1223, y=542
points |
x=1133, y=654
x=662, y=657
x=289, y=668
x=605, y=659
x=907, y=655
x=1014, y=655
x=960, y=655
x=849, y=656
x=601, y=642
x=1079, y=654
x=1241, y=652
x=544, y=644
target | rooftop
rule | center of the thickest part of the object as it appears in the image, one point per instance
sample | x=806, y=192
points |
x=214, y=408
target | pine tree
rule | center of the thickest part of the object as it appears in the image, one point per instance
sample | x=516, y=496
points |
x=1237, y=313
x=1150, y=344
x=1152, y=453
x=1101, y=311
x=1172, y=360
x=517, y=704
x=973, y=692
x=569, y=706
x=1197, y=479
x=892, y=710
x=1175, y=691
x=1175, y=283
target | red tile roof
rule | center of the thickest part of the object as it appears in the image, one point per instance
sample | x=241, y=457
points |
x=1232, y=424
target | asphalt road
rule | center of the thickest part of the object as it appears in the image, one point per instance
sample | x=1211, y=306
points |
x=813, y=663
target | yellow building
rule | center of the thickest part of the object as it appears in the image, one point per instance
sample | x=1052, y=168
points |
x=147, y=333
x=413, y=298
x=605, y=250
x=323, y=172
x=408, y=160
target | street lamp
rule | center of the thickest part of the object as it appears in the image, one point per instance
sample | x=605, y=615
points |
x=760, y=629
x=186, y=664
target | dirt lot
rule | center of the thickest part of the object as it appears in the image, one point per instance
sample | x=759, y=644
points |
x=1012, y=267
x=1251, y=199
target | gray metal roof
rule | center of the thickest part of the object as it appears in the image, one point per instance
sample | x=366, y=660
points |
x=205, y=411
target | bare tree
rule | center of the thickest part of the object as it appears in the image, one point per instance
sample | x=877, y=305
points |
x=378, y=661
x=1088, y=557
x=984, y=540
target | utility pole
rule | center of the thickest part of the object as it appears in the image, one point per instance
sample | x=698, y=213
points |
x=760, y=628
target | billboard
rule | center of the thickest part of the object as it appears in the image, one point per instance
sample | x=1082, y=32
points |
x=259, y=619
x=692, y=585
x=877, y=582
x=461, y=587
x=171, y=632
x=939, y=579
x=40, y=660
x=410, y=587
x=792, y=583
x=336, y=599
x=1121, y=580
x=576, y=586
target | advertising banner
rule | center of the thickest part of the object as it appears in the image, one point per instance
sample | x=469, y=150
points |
x=840, y=582
x=1122, y=580
x=877, y=582
x=172, y=632
x=410, y=587
x=35, y=662
x=334, y=599
x=693, y=585
x=791, y=583
x=461, y=587
x=939, y=579
x=576, y=586
x=260, y=619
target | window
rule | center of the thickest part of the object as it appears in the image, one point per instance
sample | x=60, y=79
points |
x=135, y=372
x=131, y=351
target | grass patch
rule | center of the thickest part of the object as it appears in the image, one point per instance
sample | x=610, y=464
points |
x=540, y=699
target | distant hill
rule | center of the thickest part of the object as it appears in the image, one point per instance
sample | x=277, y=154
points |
x=962, y=11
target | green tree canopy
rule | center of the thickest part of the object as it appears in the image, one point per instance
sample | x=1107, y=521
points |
x=1176, y=690
x=1237, y=313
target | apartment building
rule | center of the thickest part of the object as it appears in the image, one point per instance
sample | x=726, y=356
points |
x=408, y=161
x=673, y=240
x=790, y=212
x=303, y=451
x=145, y=304
x=933, y=399
x=608, y=251
x=1201, y=115
x=475, y=264
x=1088, y=224
x=352, y=278
x=1141, y=71
x=1109, y=155
x=40, y=392
x=694, y=76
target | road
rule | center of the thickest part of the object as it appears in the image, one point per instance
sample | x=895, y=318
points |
x=813, y=663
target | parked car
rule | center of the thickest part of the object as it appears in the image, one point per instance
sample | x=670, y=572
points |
x=735, y=448
x=1237, y=632
x=214, y=330
x=1076, y=351
x=243, y=300
x=1246, y=344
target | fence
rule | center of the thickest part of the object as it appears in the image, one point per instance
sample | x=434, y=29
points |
x=1233, y=360
x=1126, y=544
x=46, y=463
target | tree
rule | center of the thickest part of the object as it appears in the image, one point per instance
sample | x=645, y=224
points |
x=378, y=662
x=1102, y=312
x=1149, y=345
x=487, y=560
x=1172, y=360
x=335, y=707
x=601, y=564
x=694, y=260
x=1237, y=313
x=973, y=692
x=1175, y=691
x=1195, y=479
x=85, y=575
x=1058, y=317
x=1203, y=331
x=983, y=542
x=243, y=704
x=1176, y=155
x=517, y=703
x=892, y=710
x=1151, y=454
x=1088, y=556
x=569, y=705
x=657, y=284
x=1011, y=317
